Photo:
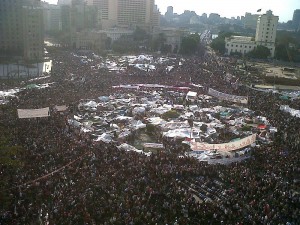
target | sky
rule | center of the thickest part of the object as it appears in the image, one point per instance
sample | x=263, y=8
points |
x=229, y=8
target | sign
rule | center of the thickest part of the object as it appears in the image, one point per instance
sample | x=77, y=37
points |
x=227, y=97
x=33, y=113
x=61, y=108
x=231, y=146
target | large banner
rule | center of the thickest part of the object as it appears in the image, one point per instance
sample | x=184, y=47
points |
x=290, y=110
x=227, y=97
x=33, y=113
x=231, y=146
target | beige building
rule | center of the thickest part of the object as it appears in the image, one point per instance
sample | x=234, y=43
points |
x=265, y=36
x=127, y=13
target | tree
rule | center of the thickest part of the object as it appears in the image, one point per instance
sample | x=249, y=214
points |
x=260, y=52
x=218, y=44
x=140, y=35
x=124, y=45
x=283, y=51
x=159, y=42
x=189, y=44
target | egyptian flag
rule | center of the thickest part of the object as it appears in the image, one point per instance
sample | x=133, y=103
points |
x=259, y=10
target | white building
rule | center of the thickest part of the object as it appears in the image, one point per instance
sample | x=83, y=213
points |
x=239, y=44
x=266, y=31
x=265, y=36
x=116, y=33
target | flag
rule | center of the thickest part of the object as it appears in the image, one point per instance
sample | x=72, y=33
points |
x=259, y=10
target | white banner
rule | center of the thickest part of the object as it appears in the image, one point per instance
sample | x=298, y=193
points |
x=231, y=146
x=61, y=108
x=33, y=113
x=290, y=110
x=227, y=97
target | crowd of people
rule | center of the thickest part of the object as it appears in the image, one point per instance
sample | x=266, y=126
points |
x=66, y=178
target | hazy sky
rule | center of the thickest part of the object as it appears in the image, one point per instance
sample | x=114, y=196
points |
x=228, y=8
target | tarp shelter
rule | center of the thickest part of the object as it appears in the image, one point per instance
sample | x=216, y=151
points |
x=261, y=126
x=191, y=94
x=284, y=97
x=32, y=86
x=33, y=113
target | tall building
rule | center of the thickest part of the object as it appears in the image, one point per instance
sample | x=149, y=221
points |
x=266, y=31
x=296, y=19
x=21, y=29
x=52, y=17
x=127, y=13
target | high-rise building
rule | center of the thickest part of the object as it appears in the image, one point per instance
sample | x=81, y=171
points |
x=21, y=29
x=52, y=17
x=296, y=19
x=64, y=2
x=127, y=13
x=266, y=31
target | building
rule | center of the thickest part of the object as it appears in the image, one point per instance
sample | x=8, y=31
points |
x=76, y=17
x=89, y=40
x=250, y=20
x=33, y=30
x=127, y=13
x=64, y=2
x=116, y=33
x=172, y=37
x=214, y=18
x=21, y=29
x=266, y=31
x=169, y=14
x=52, y=17
x=239, y=44
x=296, y=19
x=265, y=36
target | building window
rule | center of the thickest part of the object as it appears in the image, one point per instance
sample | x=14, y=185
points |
x=236, y=46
